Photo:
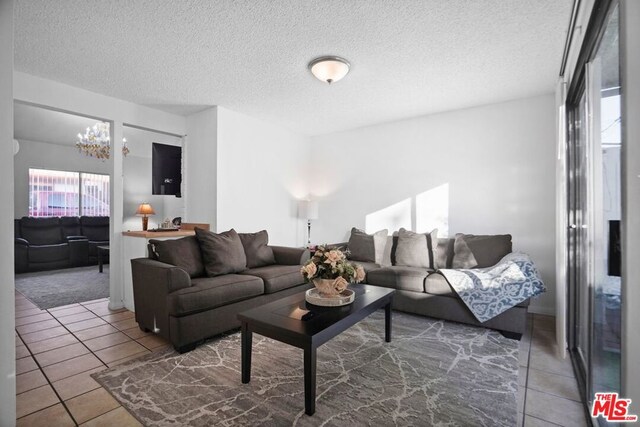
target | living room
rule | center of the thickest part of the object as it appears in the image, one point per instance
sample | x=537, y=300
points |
x=429, y=129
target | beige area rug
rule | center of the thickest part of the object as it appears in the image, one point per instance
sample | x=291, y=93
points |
x=432, y=373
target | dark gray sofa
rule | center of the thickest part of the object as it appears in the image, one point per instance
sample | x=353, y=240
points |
x=426, y=292
x=186, y=310
x=58, y=242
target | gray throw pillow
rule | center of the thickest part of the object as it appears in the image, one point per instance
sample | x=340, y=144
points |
x=471, y=251
x=183, y=253
x=367, y=247
x=416, y=250
x=256, y=249
x=222, y=253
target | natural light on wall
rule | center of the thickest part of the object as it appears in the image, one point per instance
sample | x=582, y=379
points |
x=432, y=210
x=392, y=217
x=421, y=213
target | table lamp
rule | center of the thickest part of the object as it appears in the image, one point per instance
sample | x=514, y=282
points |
x=145, y=209
x=308, y=209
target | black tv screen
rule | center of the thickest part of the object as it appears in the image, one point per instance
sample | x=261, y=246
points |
x=167, y=169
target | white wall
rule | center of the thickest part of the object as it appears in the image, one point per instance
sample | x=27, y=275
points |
x=483, y=170
x=262, y=172
x=199, y=155
x=7, y=308
x=42, y=155
x=630, y=58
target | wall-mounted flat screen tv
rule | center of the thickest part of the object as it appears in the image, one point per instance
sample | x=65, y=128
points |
x=167, y=169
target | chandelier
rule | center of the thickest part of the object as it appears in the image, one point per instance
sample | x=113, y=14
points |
x=96, y=142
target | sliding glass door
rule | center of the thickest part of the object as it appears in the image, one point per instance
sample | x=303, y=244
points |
x=594, y=207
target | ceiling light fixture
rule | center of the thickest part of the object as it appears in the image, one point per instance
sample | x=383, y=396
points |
x=329, y=69
x=96, y=142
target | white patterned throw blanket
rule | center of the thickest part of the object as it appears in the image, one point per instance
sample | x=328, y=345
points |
x=490, y=291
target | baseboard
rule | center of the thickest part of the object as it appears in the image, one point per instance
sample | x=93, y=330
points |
x=547, y=311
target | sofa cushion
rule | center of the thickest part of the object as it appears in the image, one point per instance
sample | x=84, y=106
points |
x=416, y=250
x=183, y=253
x=277, y=277
x=472, y=251
x=95, y=228
x=436, y=284
x=368, y=266
x=256, y=250
x=222, y=253
x=48, y=253
x=41, y=231
x=444, y=252
x=206, y=293
x=70, y=226
x=367, y=247
x=399, y=277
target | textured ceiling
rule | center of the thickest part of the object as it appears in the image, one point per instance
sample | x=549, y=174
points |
x=409, y=57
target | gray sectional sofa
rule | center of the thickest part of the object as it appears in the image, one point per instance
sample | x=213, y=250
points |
x=181, y=300
x=426, y=292
x=192, y=288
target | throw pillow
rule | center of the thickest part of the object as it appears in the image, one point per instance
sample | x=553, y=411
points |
x=416, y=250
x=256, y=249
x=472, y=251
x=183, y=253
x=222, y=253
x=367, y=247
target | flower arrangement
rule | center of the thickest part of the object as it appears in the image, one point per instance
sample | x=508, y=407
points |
x=330, y=271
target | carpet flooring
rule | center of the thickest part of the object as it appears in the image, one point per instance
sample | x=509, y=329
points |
x=432, y=373
x=55, y=288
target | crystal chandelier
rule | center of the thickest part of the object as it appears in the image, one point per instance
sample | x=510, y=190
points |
x=96, y=142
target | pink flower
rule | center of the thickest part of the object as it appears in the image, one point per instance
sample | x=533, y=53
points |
x=340, y=284
x=333, y=256
x=310, y=270
x=360, y=274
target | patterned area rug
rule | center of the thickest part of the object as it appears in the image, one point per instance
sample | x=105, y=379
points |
x=432, y=373
x=54, y=288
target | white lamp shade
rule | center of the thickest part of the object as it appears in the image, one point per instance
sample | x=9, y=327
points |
x=308, y=209
x=329, y=69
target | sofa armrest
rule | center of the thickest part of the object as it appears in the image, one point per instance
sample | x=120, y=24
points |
x=290, y=256
x=158, y=277
x=74, y=238
x=21, y=242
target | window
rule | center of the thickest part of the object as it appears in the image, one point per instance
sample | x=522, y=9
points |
x=62, y=193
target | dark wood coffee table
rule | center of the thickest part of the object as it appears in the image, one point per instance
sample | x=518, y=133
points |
x=292, y=321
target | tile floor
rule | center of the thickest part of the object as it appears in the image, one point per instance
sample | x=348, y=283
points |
x=548, y=393
x=58, y=349
x=56, y=352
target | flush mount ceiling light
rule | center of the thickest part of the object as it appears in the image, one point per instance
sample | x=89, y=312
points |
x=329, y=69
